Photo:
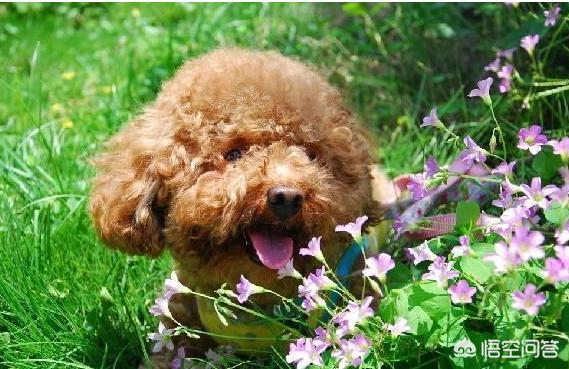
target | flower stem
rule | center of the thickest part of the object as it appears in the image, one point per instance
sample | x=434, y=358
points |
x=249, y=311
x=499, y=128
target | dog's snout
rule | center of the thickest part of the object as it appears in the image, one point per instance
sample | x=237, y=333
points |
x=284, y=202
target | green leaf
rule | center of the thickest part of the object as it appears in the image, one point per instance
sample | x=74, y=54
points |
x=548, y=363
x=508, y=329
x=355, y=9
x=448, y=330
x=434, y=300
x=467, y=214
x=399, y=276
x=565, y=319
x=475, y=268
x=483, y=249
x=546, y=164
x=514, y=281
x=475, y=362
x=557, y=214
x=394, y=305
x=419, y=321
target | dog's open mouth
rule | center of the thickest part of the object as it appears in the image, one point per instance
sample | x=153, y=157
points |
x=271, y=247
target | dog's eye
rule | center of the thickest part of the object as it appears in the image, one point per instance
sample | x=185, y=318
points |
x=311, y=155
x=233, y=154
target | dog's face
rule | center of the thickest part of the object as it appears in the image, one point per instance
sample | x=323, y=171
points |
x=241, y=160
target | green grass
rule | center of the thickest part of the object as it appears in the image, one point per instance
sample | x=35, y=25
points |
x=70, y=76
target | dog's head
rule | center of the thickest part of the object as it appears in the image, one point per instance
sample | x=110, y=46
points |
x=243, y=158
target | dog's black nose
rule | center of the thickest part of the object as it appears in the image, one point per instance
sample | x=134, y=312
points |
x=284, y=202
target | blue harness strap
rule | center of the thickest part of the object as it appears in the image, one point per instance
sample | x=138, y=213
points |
x=348, y=259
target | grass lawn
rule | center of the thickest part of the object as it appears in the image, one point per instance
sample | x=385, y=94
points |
x=70, y=76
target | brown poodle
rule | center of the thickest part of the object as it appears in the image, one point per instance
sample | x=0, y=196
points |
x=242, y=158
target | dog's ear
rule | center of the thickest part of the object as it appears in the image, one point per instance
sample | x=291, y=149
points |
x=128, y=197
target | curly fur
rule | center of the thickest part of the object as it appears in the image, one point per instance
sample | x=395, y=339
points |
x=163, y=181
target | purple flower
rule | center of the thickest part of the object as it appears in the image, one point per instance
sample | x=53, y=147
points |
x=320, y=280
x=483, y=90
x=420, y=253
x=531, y=139
x=355, y=228
x=564, y=173
x=311, y=286
x=325, y=337
x=537, y=196
x=562, y=253
x=505, y=201
x=245, y=289
x=494, y=66
x=528, y=42
x=378, y=266
x=463, y=249
x=308, y=290
x=417, y=186
x=432, y=120
x=399, y=226
x=505, y=85
x=160, y=307
x=506, y=71
x=562, y=234
x=528, y=300
x=510, y=219
x=505, y=258
x=555, y=271
x=352, y=352
x=431, y=167
x=216, y=357
x=506, y=169
x=461, y=293
x=528, y=244
x=173, y=286
x=304, y=352
x=561, y=148
x=505, y=75
x=178, y=361
x=312, y=303
x=440, y=271
x=288, y=271
x=163, y=338
x=561, y=195
x=508, y=53
x=551, y=16
x=313, y=249
x=398, y=328
x=354, y=314
x=473, y=153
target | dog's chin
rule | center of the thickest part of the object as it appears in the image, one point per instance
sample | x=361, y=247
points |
x=271, y=246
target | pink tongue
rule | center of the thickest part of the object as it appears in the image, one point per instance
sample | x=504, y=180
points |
x=273, y=250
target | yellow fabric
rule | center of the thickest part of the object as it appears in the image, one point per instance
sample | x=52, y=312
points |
x=378, y=236
x=245, y=333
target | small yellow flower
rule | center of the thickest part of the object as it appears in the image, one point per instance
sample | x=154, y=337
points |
x=57, y=108
x=69, y=75
x=106, y=89
x=67, y=124
x=135, y=13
